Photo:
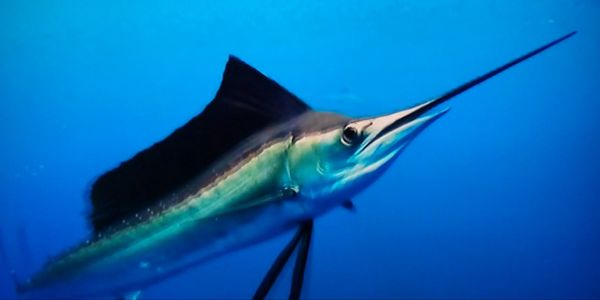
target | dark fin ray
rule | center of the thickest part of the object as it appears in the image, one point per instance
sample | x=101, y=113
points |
x=246, y=102
x=301, y=259
x=468, y=85
x=275, y=270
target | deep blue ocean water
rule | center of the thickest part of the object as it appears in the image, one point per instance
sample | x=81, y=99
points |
x=498, y=199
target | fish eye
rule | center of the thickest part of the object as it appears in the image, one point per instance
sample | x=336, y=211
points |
x=350, y=135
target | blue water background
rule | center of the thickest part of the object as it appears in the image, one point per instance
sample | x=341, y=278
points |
x=500, y=198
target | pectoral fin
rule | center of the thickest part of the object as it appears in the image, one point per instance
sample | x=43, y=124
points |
x=302, y=238
x=301, y=259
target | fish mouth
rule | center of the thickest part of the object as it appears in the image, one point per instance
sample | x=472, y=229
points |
x=391, y=132
x=386, y=132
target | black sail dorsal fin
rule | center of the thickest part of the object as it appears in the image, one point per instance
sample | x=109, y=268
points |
x=247, y=101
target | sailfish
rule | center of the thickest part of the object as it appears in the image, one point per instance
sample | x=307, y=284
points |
x=256, y=163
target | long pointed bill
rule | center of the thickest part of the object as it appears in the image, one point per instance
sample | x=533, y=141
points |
x=391, y=132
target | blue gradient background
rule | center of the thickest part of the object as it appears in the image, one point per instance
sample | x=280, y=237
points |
x=498, y=199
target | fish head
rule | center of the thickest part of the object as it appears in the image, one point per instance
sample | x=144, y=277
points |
x=341, y=159
x=347, y=155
